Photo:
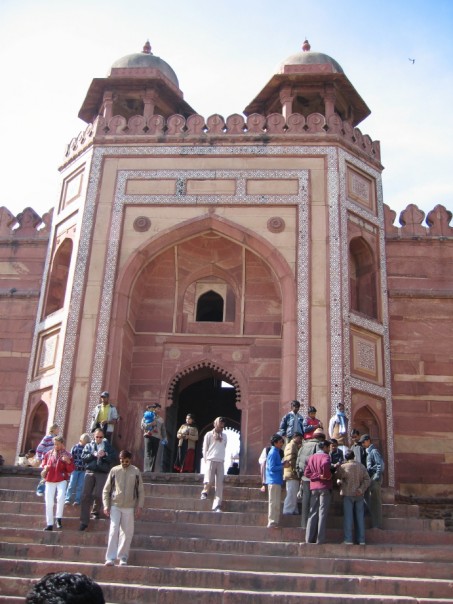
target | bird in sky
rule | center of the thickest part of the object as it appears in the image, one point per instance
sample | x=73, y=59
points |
x=412, y=61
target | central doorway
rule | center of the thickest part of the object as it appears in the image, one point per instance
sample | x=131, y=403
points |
x=207, y=394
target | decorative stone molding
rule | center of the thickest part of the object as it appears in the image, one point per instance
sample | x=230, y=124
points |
x=142, y=224
x=312, y=127
x=229, y=377
x=276, y=224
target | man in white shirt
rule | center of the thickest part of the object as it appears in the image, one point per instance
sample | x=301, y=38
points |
x=214, y=447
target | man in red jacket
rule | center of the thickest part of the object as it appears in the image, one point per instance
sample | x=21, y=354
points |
x=318, y=471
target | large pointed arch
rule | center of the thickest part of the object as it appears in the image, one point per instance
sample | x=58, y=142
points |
x=187, y=230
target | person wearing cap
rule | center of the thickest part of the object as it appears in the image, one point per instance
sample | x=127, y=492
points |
x=307, y=449
x=105, y=416
x=320, y=476
x=353, y=480
x=291, y=422
x=375, y=467
x=214, y=447
x=154, y=434
x=338, y=427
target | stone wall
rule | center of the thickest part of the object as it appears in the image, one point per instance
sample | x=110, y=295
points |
x=23, y=247
x=420, y=289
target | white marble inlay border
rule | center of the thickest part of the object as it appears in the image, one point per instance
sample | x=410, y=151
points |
x=87, y=231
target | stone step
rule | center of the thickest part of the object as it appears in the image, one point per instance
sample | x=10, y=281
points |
x=409, y=530
x=131, y=594
x=244, y=514
x=257, y=542
x=213, y=581
x=269, y=557
x=223, y=525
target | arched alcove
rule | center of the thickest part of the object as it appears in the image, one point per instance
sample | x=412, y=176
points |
x=37, y=426
x=362, y=278
x=56, y=290
x=156, y=331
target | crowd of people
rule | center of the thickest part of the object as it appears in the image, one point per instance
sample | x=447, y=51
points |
x=312, y=465
x=301, y=456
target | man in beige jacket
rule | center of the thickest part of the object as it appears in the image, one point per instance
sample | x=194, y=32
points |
x=123, y=498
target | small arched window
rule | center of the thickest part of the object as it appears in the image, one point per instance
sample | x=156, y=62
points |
x=210, y=307
x=58, y=278
x=363, y=278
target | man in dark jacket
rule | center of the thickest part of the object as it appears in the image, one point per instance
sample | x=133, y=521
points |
x=98, y=457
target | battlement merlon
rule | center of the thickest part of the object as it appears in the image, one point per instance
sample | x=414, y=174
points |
x=273, y=128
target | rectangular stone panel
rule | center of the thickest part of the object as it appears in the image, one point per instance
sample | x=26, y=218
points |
x=361, y=188
x=208, y=186
x=266, y=186
x=366, y=355
x=151, y=187
x=47, y=351
x=72, y=187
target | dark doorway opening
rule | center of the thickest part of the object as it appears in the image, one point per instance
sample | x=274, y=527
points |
x=210, y=307
x=205, y=394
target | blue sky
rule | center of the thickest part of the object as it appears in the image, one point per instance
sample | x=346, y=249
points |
x=223, y=53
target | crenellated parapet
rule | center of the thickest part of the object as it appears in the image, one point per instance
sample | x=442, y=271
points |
x=176, y=128
x=26, y=225
x=411, y=219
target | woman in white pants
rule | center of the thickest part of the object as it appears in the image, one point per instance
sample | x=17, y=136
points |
x=56, y=469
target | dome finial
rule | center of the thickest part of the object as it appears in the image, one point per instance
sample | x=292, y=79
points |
x=306, y=45
x=147, y=48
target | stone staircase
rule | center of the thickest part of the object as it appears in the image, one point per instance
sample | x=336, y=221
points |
x=183, y=552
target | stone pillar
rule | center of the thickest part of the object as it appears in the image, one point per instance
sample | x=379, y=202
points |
x=286, y=99
x=149, y=101
x=108, y=105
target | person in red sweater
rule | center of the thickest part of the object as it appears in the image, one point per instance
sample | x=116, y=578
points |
x=318, y=471
x=56, y=469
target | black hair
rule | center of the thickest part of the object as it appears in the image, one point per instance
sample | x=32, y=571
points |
x=354, y=431
x=333, y=441
x=323, y=444
x=125, y=454
x=294, y=402
x=349, y=455
x=297, y=434
x=65, y=588
x=311, y=410
x=276, y=438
